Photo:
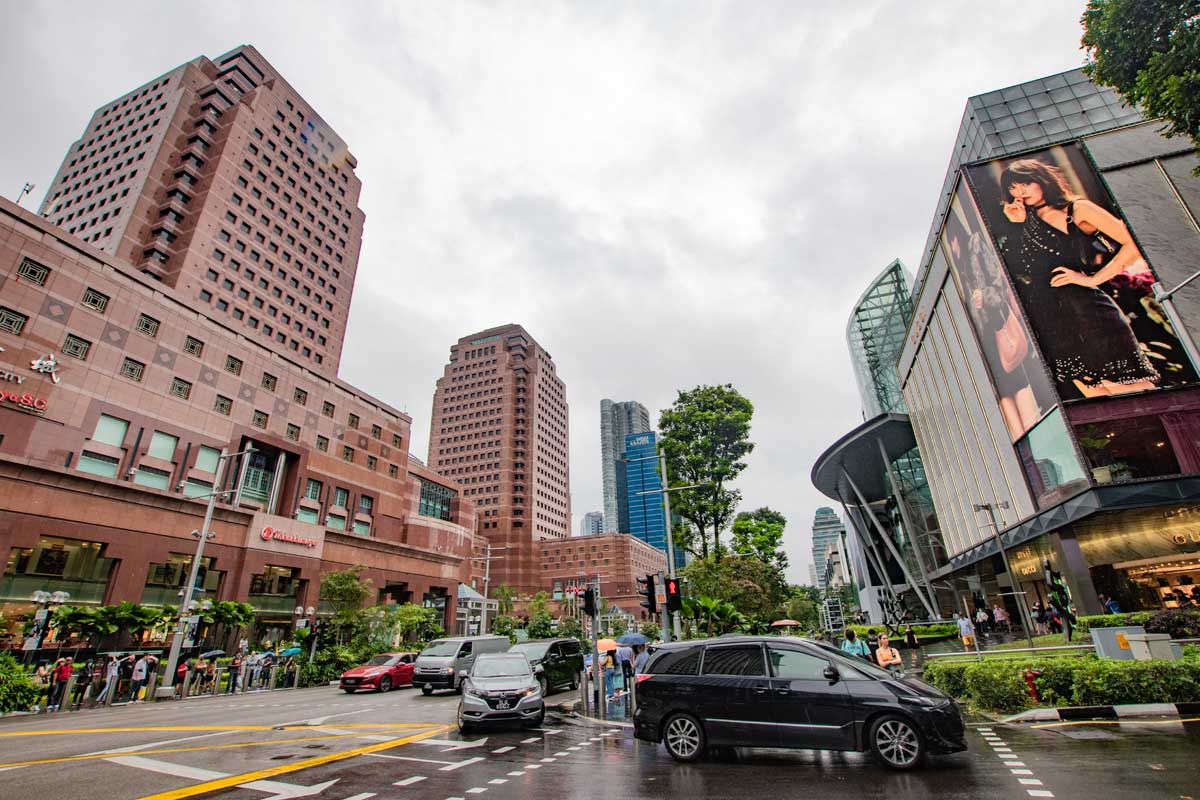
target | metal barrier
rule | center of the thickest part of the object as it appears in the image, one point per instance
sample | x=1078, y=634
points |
x=994, y=655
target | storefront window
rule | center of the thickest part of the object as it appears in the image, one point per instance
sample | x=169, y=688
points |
x=54, y=564
x=276, y=581
x=165, y=581
x=1124, y=449
x=1049, y=460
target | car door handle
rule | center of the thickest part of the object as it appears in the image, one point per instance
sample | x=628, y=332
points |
x=782, y=691
x=760, y=689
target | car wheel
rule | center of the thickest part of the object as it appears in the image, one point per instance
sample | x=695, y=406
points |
x=896, y=742
x=385, y=684
x=427, y=690
x=347, y=691
x=543, y=685
x=574, y=684
x=464, y=727
x=458, y=688
x=684, y=737
x=538, y=720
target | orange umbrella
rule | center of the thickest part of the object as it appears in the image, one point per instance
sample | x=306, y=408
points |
x=604, y=645
x=785, y=623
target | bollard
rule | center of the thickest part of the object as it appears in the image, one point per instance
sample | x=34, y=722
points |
x=151, y=685
x=65, y=700
x=110, y=690
x=274, y=676
x=583, y=692
x=216, y=686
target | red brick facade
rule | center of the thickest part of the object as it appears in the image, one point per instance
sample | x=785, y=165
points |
x=617, y=558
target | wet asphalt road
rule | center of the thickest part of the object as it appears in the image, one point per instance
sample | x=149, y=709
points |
x=402, y=745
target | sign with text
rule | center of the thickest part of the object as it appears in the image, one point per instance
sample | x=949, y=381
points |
x=283, y=535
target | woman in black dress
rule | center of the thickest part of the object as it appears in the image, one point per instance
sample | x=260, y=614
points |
x=1086, y=339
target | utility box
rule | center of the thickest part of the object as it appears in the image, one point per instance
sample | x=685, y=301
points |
x=1148, y=646
x=1114, y=642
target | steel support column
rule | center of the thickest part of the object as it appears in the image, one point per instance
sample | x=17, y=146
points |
x=908, y=525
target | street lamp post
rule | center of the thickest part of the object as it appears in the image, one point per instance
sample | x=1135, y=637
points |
x=487, y=560
x=41, y=620
x=202, y=535
x=1022, y=610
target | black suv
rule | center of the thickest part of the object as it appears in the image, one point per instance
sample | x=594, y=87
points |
x=556, y=662
x=772, y=691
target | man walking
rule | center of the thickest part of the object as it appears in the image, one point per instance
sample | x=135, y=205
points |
x=235, y=668
x=625, y=662
x=966, y=632
x=140, y=670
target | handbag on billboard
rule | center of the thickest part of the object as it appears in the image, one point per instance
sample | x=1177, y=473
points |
x=1011, y=342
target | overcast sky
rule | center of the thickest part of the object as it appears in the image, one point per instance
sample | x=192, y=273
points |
x=663, y=194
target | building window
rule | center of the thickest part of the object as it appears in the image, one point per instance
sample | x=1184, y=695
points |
x=312, y=490
x=233, y=365
x=336, y=521
x=33, y=272
x=132, y=369
x=327, y=409
x=223, y=405
x=362, y=528
x=395, y=440
x=181, y=388
x=97, y=301
x=96, y=464
x=193, y=487
x=393, y=471
x=293, y=432
x=341, y=498
x=110, y=431
x=365, y=504
x=207, y=459
x=347, y=454
x=371, y=463
x=260, y=419
x=352, y=421
x=323, y=444
x=76, y=347
x=300, y=396
x=435, y=500
x=269, y=381
x=193, y=347
x=163, y=445
x=12, y=321
x=147, y=325
x=153, y=478
x=376, y=431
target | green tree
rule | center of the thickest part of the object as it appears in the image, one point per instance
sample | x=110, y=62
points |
x=1149, y=51
x=504, y=625
x=616, y=627
x=346, y=592
x=803, y=609
x=416, y=620
x=570, y=627
x=756, y=589
x=537, y=605
x=541, y=626
x=759, y=534
x=503, y=595
x=705, y=436
x=651, y=630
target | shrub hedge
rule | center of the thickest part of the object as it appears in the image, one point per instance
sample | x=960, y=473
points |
x=1113, y=620
x=17, y=691
x=999, y=685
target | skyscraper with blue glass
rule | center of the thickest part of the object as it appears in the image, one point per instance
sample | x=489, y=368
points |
x=642, y=484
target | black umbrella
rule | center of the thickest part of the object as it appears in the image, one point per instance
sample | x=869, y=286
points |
x=213, y=654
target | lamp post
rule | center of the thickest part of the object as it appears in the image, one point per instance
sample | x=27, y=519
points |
x=41, y=619
x=202, y=536
x=487, y=558
x=310, y=614
x=1022, y=610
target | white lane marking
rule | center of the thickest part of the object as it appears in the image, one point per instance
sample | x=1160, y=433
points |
x=584, y=744
x=461, y=764
x=531, y=740
x=1039, y=793
x=1029, y=782
x=1014, y=763
x=167, y=768
x=407, y=758
x=1021, y=771
x=410, y=781
x=499, y=750
x=377, y=737
x=281, y=791
x=533, y=766
x=361, y=796
x=135, y=747
x=550, y=731
x=549, y=759
x=561, y=753
x=498, y=781
x=516, y=774
x=984, y=730
x=595, y=739
x=319, y=720
x=572, y=749
x=477, y=790
x=1003, y=749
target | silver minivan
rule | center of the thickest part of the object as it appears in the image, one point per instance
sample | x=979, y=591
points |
x=444, y=662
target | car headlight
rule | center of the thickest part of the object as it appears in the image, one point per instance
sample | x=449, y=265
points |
x=927, y=702
x=449, y=670
x=531, y=691
x=472, y=692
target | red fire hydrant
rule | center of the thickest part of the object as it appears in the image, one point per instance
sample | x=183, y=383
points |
x=1030, y=676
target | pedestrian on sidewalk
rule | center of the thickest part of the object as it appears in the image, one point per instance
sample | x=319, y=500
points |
x=110, y=678
x=966, y=632
x=872, y=643
x=83, y=682
x=639, y=663
x=608, y=662
x=625, y=661
x=1001, y=617
x=254, y=667
x=888, y=657
x=1110, y=605
x=911, y=643
x=981, y=620
x=235, y=668
x=855, y=646
x=140, y=671
x=42, y=677
x=63, y=669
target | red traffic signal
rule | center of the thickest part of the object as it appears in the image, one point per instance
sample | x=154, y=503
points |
x=674, y=600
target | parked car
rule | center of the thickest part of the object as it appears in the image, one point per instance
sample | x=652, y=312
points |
x=768, y=691
x=556, y=662
x=383, y=672
x=443, y=662
x=501, y=687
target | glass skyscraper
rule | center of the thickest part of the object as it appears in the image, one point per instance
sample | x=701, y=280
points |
x=875, y=333
x=638, y=473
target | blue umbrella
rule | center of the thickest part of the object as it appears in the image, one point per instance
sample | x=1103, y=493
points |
x=291, y=651
x=632, y=639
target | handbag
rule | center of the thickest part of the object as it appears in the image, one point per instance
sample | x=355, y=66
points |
x=1011, y=342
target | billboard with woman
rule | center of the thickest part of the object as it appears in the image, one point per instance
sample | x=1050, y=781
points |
x=1078, y=274
x=1020, y=380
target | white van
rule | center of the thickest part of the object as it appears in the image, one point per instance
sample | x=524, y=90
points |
x=444, y=662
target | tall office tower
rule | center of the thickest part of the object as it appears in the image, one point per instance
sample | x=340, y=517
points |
x=617, y=420
x=642, y=484
x=500, y=424
x=591, y=524
x=827, y=532
x=219, y=180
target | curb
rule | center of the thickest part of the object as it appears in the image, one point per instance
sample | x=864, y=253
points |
x=1131, y=711
x=571, y=718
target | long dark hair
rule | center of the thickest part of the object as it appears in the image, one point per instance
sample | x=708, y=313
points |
x=1029, y=170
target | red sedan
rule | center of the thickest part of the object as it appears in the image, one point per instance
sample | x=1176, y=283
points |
x=383, y=672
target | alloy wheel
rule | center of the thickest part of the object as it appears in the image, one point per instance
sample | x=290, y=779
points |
x=683, y=737
x=897, y=743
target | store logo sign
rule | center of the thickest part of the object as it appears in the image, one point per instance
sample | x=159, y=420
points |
x=275, y=534
x=26, y=401
x=11, y=377
x=1186, y=538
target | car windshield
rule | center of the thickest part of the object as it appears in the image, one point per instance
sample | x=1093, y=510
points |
x=441, y=647
x=500, y=668
x=381, y=661
x=533, y=650
x=858, y=664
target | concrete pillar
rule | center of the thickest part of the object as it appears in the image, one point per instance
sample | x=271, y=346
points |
x=1075, y=572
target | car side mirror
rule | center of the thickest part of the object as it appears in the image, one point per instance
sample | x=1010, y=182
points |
x=831, y=673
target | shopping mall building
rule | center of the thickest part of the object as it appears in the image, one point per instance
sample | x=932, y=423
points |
x=1048, y=391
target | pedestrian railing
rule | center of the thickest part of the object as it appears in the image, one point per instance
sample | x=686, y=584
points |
x=1018, y=653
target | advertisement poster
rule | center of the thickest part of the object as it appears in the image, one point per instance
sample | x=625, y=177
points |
x=1020, y=379
x=1083, y=283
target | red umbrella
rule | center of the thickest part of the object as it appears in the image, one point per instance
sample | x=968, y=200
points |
x=785, y=623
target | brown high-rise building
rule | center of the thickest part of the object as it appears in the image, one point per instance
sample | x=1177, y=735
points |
x=220, y=181
x=499, y=428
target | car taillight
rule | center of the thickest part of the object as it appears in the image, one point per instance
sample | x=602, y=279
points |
x=642, y=677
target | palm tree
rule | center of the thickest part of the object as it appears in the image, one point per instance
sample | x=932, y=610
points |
x=708, y=608
x=504, y=595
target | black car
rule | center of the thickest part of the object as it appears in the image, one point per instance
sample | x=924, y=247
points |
x=556, y=662
x=771, y=691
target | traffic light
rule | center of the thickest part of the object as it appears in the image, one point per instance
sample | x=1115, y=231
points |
x=674, y=598
x=646, y=590
x=589, y=602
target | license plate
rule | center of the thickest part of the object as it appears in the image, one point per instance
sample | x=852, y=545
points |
x=429, y=686
x=503, y=704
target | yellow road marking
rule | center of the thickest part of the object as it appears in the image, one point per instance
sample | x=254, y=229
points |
x=1126, y=721
x=173, y=728
x=283, y=769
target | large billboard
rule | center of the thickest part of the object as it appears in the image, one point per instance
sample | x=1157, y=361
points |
x=1022, y=386
x=1080, y=277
